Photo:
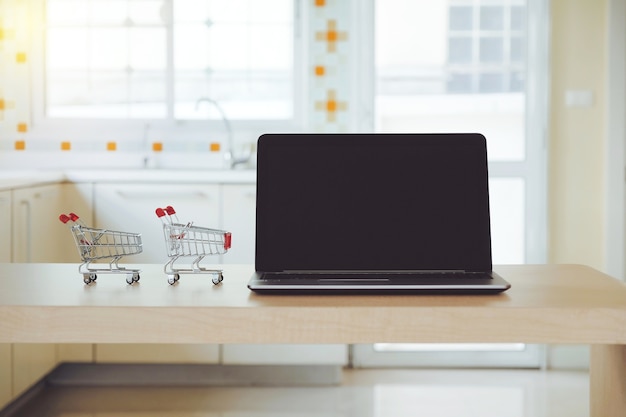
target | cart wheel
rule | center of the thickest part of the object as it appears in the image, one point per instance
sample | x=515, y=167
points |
x=171, y=279
x=129, y=279
x=217, y=279
x=136, y=276
x=89, y=278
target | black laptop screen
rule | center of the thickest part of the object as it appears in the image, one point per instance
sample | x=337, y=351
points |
x=372, y=202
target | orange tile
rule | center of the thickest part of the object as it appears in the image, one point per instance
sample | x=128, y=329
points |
x=331, y=106
x=320, y=70
x=66, y=146
x=215, y=147
x=157, y=146
x=2, y=105
x=22, y=127
x=331, y=35
x=320, y=3
x=20, y=57
x=111, y=146
x=20, y=145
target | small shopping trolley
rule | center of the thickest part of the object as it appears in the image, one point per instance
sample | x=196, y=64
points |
x=96, y=244
x=187, y=240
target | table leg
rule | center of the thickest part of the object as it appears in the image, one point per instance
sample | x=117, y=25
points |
x=607, y=380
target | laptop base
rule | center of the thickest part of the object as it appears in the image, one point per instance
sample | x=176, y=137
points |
x=312, y=284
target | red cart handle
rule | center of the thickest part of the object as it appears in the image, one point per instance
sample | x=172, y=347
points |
x=169, y=210
x=66, y=218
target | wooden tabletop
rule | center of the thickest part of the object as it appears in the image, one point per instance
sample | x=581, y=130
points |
x=49, y=303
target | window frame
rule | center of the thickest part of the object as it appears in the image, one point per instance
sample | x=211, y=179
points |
x=90, y=129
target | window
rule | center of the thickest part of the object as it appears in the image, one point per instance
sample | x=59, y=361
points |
x=155, y=59
x=463, y=65
x=471, y=65
x=486, y=47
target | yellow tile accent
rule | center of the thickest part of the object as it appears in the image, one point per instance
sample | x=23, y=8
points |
x=111, y=146
x=157, y=146
x=215, y=147
x=20, y=57
x=66, y=146
x=320, y=70
x=2, y=106
x=331, y=105
x=20, y=145
x=331, y=35
x=22, y=127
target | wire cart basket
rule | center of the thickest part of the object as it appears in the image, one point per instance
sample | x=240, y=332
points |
x=187, y=240
x=96, y=244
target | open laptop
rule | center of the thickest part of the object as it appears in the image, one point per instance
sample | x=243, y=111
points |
x=379, y=213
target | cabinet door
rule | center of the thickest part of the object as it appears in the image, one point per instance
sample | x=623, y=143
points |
x=285, y=354
x=131, y=208
x=6, y=374
x=74, y=352
x=238, y=216
x=157, y=353
x=37, y=236
x=31, y=362
x=5, y=224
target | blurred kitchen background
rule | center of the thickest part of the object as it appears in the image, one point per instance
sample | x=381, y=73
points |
x=114, y=94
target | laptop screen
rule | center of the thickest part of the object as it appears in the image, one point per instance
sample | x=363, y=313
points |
x=374, y=202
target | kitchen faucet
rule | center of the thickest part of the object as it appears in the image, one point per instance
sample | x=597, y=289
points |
x=230, y=154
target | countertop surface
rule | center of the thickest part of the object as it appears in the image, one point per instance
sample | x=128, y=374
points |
x=546, y=304
x=11, y=179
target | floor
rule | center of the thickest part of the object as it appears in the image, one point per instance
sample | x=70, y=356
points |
x=362, y=393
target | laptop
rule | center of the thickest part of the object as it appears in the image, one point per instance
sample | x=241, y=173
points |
x=373, y=213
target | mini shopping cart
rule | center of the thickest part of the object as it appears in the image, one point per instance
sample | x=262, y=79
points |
x=186, y=240
x=96, y=244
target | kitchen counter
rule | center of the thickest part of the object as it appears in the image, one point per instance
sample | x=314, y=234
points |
x=162, y=176
x=15, y=178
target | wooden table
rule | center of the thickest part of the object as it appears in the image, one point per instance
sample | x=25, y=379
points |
x=48, y=303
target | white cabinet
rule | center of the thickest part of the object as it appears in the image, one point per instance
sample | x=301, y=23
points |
x=285, y=354
x=131, y=208
x=37, y=234
x=161, y=353
x=238, y=217
x=5, y=225
x=74, y=352
x=31, y=362
x=6, y=374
